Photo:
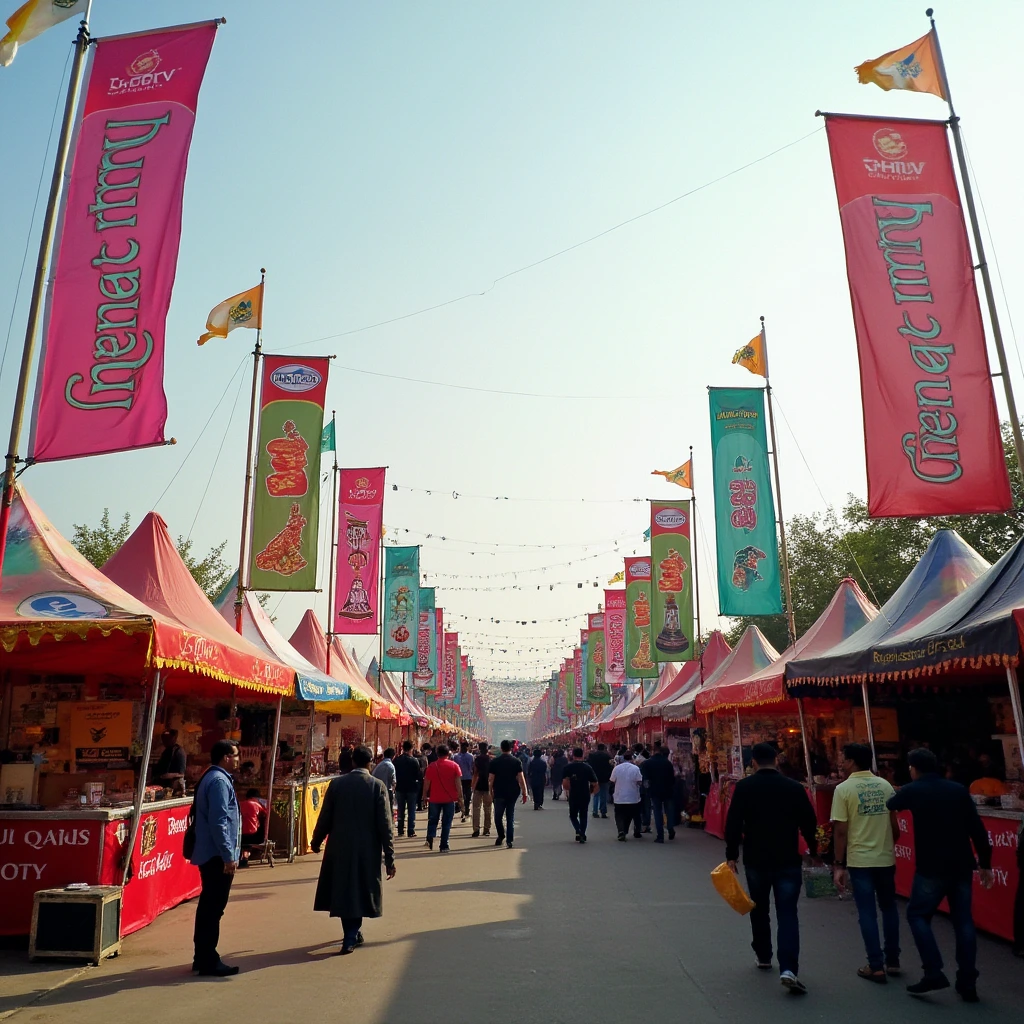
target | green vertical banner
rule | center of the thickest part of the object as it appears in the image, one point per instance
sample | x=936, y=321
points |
x=286, y=491
x=597, y=691
x=461, y=671
x=639, y=663
x=401, y=608
x=748, y=558
x=426, y=646
x=582, y=703
x=671, y=582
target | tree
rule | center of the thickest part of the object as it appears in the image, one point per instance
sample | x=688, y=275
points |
x=877, y=553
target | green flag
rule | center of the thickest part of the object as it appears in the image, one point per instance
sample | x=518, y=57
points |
x=327, y=438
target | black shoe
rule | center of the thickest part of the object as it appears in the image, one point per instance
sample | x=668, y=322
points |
x=487, y=831
x=648, y=829
x=638, y=835
x=659, y=839
x=401, y=832
x=412, y=835
x=968, y=993
x=622, y=837
x=604, y=815
x=446, y=849
x=509, y=844
x=475, y=835
x=926, y=985
x=671, y=833
x=429, y=844
x=577, y=837
x=359, y=938
x=499, y=840
x=221, y=970
x=345, y=950
x=583, y=839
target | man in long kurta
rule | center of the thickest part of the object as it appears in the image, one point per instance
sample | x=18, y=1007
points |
x=356, y=817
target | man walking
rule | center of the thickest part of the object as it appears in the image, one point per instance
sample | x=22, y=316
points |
x=464, y=759
x=946, y=826
x=506, y=781
x=538, y=773
x=218, y=827
x=355, y=818
x=385, y=771
x=442, y=789
x=627, y=780
x=601, y=762
x=580, y=784
x=864, y=834
x=659, y=786
x=421, y=757
x=558, y=765
x=408, y=779
x=481, y=792
x=768, y=814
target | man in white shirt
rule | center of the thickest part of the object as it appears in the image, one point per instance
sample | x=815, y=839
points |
x=627, y=780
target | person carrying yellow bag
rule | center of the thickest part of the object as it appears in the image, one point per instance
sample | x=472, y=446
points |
x=727, y=885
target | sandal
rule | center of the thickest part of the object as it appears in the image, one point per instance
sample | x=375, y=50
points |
x=870, y=974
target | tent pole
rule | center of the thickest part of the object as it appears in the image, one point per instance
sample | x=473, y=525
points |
x=869, y=724
x=140, y=787
x=333, y=546
x=309, y=771
x=273, y=766
x=739, y=741
x=1018, y=714
x=807, y=749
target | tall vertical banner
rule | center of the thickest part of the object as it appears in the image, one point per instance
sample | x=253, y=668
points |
x=286, y=492
x=931, y=430
x=426, y=646
x=577, y=676
x=671, y=582
x=615, y=636
x=598, y=691
x=461, y=661
x=581, y=692
x=639, y=662
x=101, y=367
x=451, y=658
x=401, y=608
x=360, y=515
x=748, y=558
x=438, y=642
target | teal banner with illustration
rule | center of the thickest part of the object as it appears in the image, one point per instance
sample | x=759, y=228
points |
x=401, y=608
x=597, y=689
x=748, y=556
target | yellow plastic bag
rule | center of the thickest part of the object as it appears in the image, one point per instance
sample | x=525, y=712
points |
x=729, y=888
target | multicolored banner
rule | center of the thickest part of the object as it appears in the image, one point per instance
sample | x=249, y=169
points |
x=577, y=675
x=438, y=642
x=101, y=366
x=360, y=512
x=748, y=558
x=286, y=490
x=639, y=662
x=401, y=608
x=461, y=679
x=615, y=635
x=931, y=430
x=597, y=690
x=671, y=582
x=426, y=648
x=451, y=660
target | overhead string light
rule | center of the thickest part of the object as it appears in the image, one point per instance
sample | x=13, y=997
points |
x=514, y=622
x=456, y=495
x=623, y=536
x=521, y=572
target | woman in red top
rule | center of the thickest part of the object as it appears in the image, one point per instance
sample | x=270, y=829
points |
x=253, y=815
x=442, y=787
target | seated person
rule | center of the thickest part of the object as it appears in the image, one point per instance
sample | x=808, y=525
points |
x=254, y=815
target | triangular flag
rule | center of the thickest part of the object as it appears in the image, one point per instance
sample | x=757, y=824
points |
x=680, y=475
x=242, y=310
x=619, y=577
x=753, y=356
x=914, y=68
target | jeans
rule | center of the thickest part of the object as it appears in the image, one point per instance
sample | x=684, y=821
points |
x=600, y=801
x=578, y=815
x=505, y=817
x=664, y=809
x=209, y=910
x=925, y=897
x=467, y=796
x=786, y=882
x=407, y=802
x=481, y=798
x=645, y=809
x=869, y=884
x=626, y=813
x=350, y=928
x=538, y=793
x=446, y=812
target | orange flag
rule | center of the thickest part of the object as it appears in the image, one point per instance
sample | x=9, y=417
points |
x=681, y=475
x=753, y=356
x=914, y=68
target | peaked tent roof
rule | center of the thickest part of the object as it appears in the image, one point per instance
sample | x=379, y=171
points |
x=393, y=710
x=259, y=629
x=688, y=678
x=947, y=568
x=392, y=689
x=846, y=613
x=189, y=631
x=750, y=655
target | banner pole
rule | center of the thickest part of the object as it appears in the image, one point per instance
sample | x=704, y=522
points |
x=247, y=492
x=979, y=249
x=784, y=551
x=332, y=568
x=272, y=769
x=36, y=303
x=696, y=574
x=383, y=608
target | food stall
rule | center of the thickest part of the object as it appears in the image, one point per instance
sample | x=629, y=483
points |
x=939, y=668
x=86, y=665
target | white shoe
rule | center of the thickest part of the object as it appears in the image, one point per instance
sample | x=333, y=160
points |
x=793, y=983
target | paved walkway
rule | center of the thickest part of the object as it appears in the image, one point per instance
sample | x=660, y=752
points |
x=551, y=932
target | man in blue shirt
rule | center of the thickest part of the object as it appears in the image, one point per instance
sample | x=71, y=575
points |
x=464, y=759
x=218, y=827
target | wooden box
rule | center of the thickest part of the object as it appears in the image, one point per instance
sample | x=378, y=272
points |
x=76, y=924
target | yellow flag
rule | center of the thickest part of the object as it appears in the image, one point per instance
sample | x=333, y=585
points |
x=753, y=356
x=242, y=310
x=619, y=577
x=681, y=475
x=914, y=68
x=33, y=19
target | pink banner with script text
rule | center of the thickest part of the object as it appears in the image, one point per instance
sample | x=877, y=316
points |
x=100, y=381
x=360, y=516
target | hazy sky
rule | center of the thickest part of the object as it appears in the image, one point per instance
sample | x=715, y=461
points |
x=382, y=158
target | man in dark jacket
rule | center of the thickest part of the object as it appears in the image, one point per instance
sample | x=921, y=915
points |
x=537, y=770
x=767, y=815
x=602, y=765
x=558, y=765
x=408, y=780
x=355, y=812
x=659, y=784
x=946, y=826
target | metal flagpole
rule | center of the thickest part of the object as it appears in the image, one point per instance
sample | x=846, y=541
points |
x=1018, y=714
x=979, y=248
x=247, y=493
x=868, y=724
x=140, y=788
x=383, y=609
x=35, y=309
x=273, y=768
x=333, y=547
x=696, y=574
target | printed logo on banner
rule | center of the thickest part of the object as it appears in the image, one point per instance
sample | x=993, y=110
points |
x=142, y=75
x=149, y=835
x=670, y=518
x=892, y=147
x=59, y=605
x=295, y=377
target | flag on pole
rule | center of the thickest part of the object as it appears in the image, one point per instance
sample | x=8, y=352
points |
x=33, y=19
x=753, y=356
x=327, y=439
x=242, y=310
x=914, y=68
x=680, y=475
x=617, y=578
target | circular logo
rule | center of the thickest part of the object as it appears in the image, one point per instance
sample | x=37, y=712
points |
x=58, y=605
x=145, y=63
x=889, y=143
x=295, y=377
x=670, y=518
x=640, y=569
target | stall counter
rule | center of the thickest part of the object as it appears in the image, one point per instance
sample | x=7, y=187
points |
x=51, y=849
